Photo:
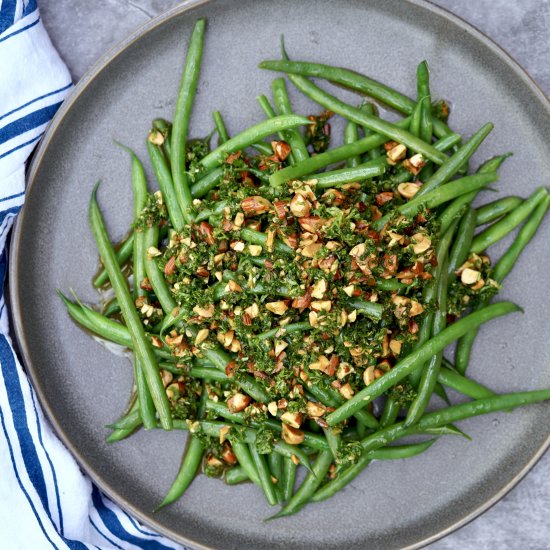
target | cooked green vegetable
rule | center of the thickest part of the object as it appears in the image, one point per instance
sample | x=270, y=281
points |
x=274, y=287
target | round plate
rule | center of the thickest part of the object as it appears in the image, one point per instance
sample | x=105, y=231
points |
x=82, y=386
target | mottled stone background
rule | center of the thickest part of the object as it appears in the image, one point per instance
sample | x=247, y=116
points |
x=83, y=31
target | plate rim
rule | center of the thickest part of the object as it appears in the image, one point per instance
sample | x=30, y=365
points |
x=13, y=281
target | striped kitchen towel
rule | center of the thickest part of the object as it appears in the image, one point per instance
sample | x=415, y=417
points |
x=45, y=501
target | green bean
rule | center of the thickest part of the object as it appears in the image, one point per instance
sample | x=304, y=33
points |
x=452, y=164
x=493, y=210
x=182, y=116
x=293, y=136
x=264, y=475
x=242, y=452
x=525, y=234
x=111, y=308
x=220, y=359
x=252, y=135
x=333, y=439
x=308, y=488
x=263, y=148
x=390, y=412
x=461, y=247
x=235, y=475
x=351, y=472
x=368, y=170
x=414, y=127
x=330, y=397
x=394, y=452
x=501, y=270
x=190, y=464
x=376, y=124
x=123, y=254
x=440, y=391
x=351, y=135
x=216, y=211
x=461, y=384
x=207, y=183
x=270, y=113
x=311, y=440
x=156, y=278
x=140, y=343
x=429, y=298
x=418, y=357
x=267, y=108
x=458, y=205
x=279, y=332
x=105, y=328
x=370, y=309
x=455, y=413
x=374, y=153
x=256, y=237
x=338, y=154
x=166, y=184
x=208, y=373
x=220, y=127
x=139, y=185
x=441, y=195
x=430, y=372
x=356, y=82
x=128, y=424
x=501, y=228
x=423, y=93
x=275, y=463
x=289, y=477
x=146, y=405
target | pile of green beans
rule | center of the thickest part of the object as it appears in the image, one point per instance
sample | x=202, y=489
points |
x=374, y=417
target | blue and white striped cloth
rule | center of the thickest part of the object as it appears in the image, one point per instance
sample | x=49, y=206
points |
x=45, y=500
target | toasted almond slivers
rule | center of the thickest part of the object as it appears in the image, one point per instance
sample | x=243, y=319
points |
x=319, y=289
x=253, y=311
x=152, y=252
x=292, y=436
x=396, y=153
x=416, y=308
x=421, y=243
x=346, y=391
x=322, y=364
x=321, y=305
x=223, y=433
x=470, y=276
x=310, y=250
x=292, y=419
x=254, y=249
x=238, y=402
x=315, y=410
x=205, y=312
x=368, y=375
x=349, y=290
x=395, y=346
x=280, y=345
x=300, y=206
x=278, y=308
x=202, y=335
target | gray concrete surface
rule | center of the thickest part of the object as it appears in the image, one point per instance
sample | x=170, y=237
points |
x=83, y=31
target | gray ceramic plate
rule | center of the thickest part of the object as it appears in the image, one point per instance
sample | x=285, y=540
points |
x=83, y=387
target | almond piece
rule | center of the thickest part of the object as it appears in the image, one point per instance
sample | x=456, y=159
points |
x=255, y=205
x=292, y=419
x=292, y=436
x=238, y=402
x=278, y=308
x=300, y=206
